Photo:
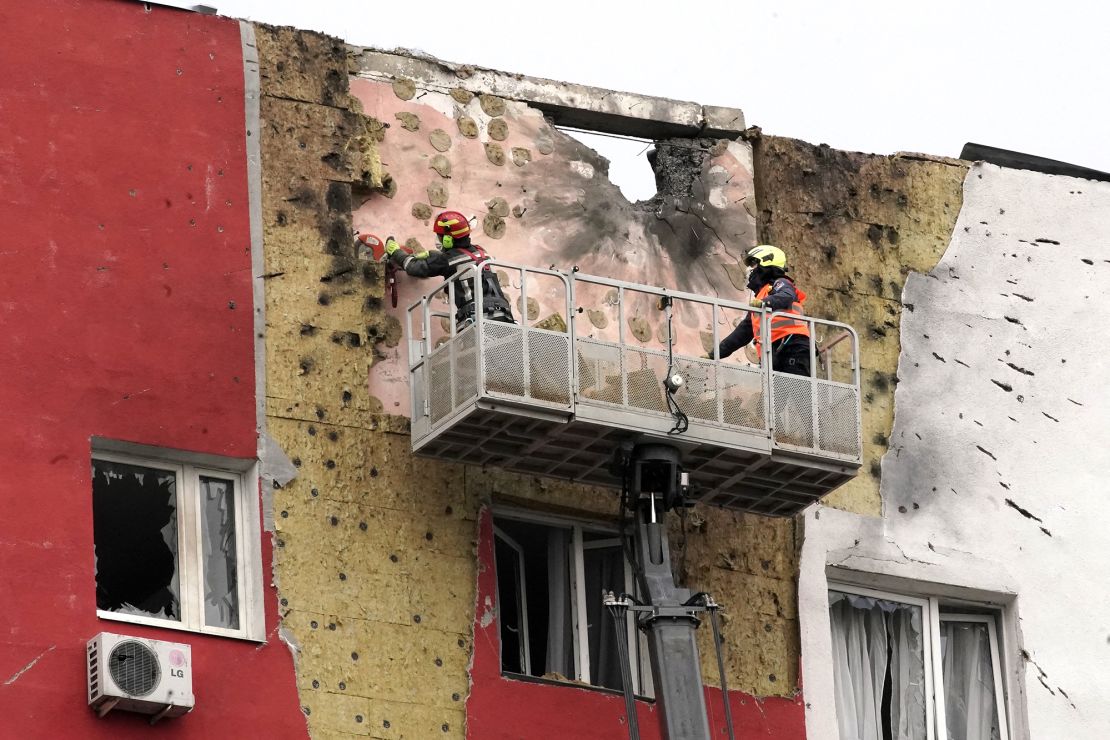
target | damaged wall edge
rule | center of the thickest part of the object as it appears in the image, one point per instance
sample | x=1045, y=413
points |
x=567, y=104
x=252, y=112
x=374, y=550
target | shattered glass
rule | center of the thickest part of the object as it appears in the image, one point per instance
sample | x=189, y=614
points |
x=221, y=567
x=135, y=538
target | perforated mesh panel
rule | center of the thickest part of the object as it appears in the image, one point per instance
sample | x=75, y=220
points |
x=714, y=392
x=134, y=668
x=698, y=396
x=599, y=372
x=439, y=385
x=742, y=399
x=465, y=385
x=503, y=349
x=644, y=375
x=453, y=374
x=548, y=357
x=838, y=422
x=548, y=375
x=793, y=397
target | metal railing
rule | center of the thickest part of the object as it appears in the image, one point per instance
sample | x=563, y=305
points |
x=588, y=363
x=810, y=412
x=457, y=359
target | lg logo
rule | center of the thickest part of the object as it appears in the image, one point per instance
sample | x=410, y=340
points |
x=177, y=663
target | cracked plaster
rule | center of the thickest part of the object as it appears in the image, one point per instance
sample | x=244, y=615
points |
x=986, y=494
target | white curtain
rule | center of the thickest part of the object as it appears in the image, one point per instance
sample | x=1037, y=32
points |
x=969, y=699
x=560, y=636
x=879, y=668
x=604, y=571
x=907, y=674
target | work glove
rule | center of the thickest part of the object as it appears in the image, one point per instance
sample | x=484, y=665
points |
x=391, y=245
x=755, y=303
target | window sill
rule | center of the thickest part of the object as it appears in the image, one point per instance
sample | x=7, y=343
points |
x=526, y=678
x=177, y=626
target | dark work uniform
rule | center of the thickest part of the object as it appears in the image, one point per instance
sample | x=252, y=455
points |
x=789, y=354
x=445, y=264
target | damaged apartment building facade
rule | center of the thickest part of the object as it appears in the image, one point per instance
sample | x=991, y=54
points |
x=210, y=427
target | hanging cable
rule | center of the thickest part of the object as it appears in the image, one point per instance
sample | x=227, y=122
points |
x=592, y=132
x=712, y=607
x=618, y=608
x=681, y=422
x=673, y=381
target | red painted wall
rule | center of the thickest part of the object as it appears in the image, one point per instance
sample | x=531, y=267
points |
x=126, y=312
x=500, y=708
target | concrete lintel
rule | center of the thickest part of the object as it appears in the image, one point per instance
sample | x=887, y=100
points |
x=719, y=122
x=567, y=104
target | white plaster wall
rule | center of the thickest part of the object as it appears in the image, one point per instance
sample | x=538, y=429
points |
x=1018, y=300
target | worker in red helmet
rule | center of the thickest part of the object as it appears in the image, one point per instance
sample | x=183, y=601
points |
x=456, y=252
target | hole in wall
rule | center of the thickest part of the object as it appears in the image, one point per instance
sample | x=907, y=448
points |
x=629, y=169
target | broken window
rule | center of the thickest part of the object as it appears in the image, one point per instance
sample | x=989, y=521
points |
x=908, y=668
x=551, y=575
x=168, y=544
x=135, y=534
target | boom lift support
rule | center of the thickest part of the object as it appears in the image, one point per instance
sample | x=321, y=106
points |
x=655, y=483
x=580, y=400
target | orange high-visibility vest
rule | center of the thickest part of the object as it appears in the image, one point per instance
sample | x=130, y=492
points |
x=781, y=325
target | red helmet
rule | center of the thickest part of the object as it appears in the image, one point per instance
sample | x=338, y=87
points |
x=450, y=226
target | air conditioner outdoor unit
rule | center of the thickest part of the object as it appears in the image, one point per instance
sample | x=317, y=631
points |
x=137, y=675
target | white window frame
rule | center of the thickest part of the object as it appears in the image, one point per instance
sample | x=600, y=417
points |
x=522, y=596
x=996, y=663
x=933, y=612
x=637, y=645
x=188, y=470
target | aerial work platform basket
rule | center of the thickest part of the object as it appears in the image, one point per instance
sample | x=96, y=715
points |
x=583, y=370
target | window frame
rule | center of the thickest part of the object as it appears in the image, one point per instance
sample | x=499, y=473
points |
x=935, y=611
x=996, y=660
x=188, y=470
x=522, y=596
x=642, y=685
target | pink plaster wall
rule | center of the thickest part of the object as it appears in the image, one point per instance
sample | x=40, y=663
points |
x=562, y=212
